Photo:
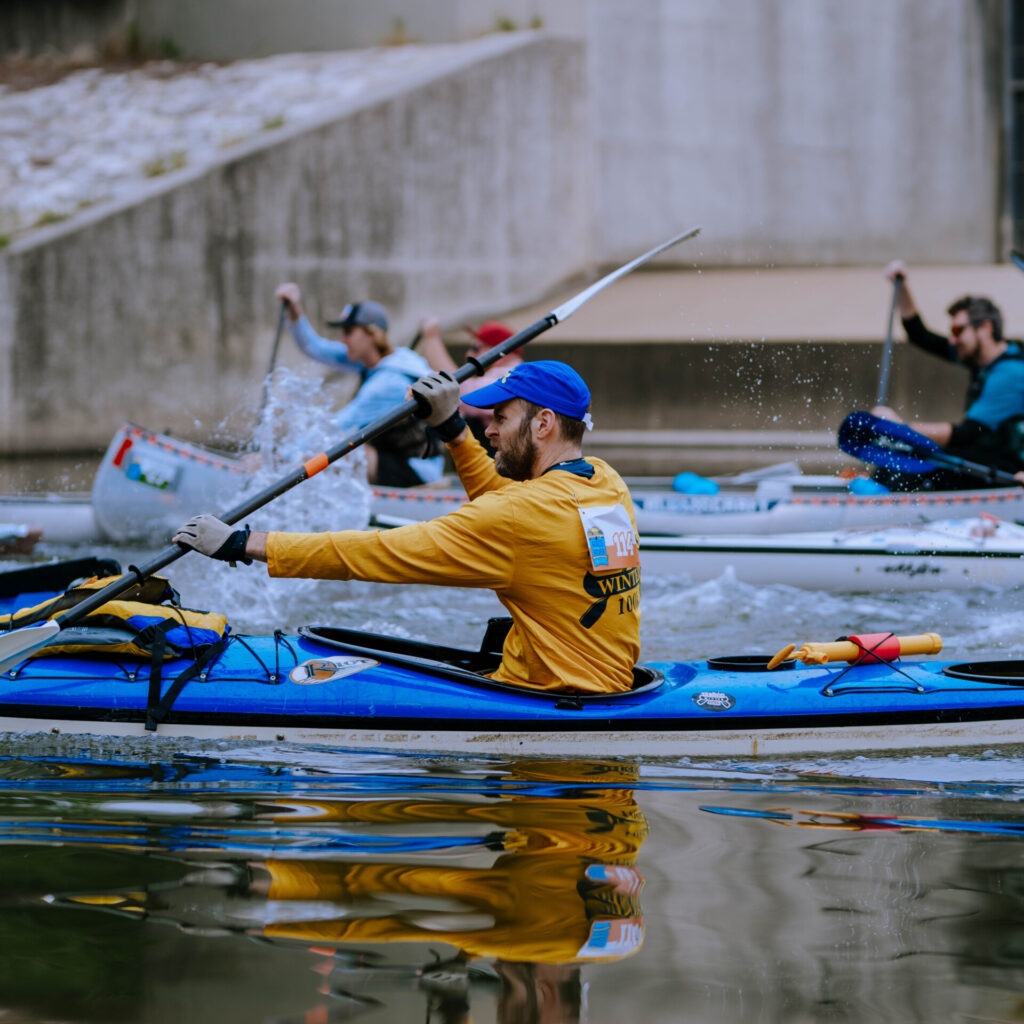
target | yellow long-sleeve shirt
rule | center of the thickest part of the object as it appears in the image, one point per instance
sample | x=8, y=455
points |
x=572, y=628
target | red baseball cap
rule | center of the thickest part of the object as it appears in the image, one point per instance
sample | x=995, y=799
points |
x=490, y=333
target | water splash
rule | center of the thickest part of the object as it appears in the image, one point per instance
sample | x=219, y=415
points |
x=295, y=423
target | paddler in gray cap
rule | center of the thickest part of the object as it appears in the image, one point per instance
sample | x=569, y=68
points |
x=406, y=455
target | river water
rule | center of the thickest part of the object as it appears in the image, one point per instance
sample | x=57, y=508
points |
x=281, y=884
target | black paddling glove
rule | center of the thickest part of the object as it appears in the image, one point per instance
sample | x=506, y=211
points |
x=233, y=549
x=450, y=429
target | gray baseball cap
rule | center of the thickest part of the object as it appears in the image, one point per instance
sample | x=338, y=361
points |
x=361, y=314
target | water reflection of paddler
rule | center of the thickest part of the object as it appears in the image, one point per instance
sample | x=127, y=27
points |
x=564, y=888
x=545, y=882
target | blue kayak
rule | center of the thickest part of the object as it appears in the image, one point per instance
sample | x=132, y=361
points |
x=352, y=689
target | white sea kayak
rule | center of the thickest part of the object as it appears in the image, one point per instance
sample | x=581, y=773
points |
x=952, y=554
x=147, y=482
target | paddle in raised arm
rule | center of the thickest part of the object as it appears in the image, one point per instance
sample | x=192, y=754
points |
x=883, y=376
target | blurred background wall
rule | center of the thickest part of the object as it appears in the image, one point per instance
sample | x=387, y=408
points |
x=798, y=133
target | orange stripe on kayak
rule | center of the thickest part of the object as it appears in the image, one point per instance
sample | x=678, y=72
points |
x=315, y=464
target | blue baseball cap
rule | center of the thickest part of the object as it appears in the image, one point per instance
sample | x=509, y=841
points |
x=545, y=382
x=361, y=314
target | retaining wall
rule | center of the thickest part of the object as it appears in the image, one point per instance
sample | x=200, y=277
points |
x=814, y=132
x=254, y=28
x=463, y=191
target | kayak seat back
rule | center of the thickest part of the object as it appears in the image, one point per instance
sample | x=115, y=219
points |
x=1008, y=673
x=465, y=666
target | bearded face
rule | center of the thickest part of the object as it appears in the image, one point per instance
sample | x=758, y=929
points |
x=515, y=455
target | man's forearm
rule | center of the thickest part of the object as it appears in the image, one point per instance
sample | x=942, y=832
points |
x=927, y=340
x=907, y=306
x=940, y=433
x=256, y=546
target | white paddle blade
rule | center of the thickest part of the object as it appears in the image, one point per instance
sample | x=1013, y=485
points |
x=567, y=309
x=18, y=644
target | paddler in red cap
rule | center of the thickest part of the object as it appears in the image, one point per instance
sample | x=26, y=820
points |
x=551, y=533
x=485, y=337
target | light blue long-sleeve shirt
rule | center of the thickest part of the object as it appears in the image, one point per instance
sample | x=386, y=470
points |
x=383, y=386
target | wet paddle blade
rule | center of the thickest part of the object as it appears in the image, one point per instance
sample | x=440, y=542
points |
x=887, y=444
x=18, y=644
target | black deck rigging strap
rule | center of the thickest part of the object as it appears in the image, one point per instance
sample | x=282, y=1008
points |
x=157, y=707
x=829, y=689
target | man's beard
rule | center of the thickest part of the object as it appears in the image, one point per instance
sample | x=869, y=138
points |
x=517, y=462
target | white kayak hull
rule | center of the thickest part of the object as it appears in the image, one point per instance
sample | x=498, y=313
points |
x=148, y=482
x=788, y=509
x=956, y=554
x=63, y=519
x=723, y=513
x=943, y=555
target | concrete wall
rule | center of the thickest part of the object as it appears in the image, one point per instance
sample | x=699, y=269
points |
x=760, y=386
x=795, y=131
x=798, y=131
x=465, y=191
x=253, y=28
x=238, y=29
x=34, y=26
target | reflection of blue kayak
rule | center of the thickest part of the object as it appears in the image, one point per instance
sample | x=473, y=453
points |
x=352, y=689
x=849, y=822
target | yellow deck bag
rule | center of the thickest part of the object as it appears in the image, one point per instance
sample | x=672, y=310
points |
x=146, y=622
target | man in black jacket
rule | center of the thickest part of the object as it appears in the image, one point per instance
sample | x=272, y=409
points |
x=995, y=399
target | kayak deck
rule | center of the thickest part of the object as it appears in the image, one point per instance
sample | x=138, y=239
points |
x=353, y=692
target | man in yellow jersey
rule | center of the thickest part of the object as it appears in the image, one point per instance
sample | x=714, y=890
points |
x=551, y=533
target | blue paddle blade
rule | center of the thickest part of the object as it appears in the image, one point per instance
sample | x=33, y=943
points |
x=887, y=444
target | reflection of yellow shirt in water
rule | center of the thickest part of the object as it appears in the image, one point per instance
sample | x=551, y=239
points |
x=565, y=892
x=524, y=540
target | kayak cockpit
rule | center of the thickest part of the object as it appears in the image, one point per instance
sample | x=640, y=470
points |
x=1006, y=673
x=461, y=665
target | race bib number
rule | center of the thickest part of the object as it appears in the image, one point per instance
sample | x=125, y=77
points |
x=611, y=541
x=612, y=938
